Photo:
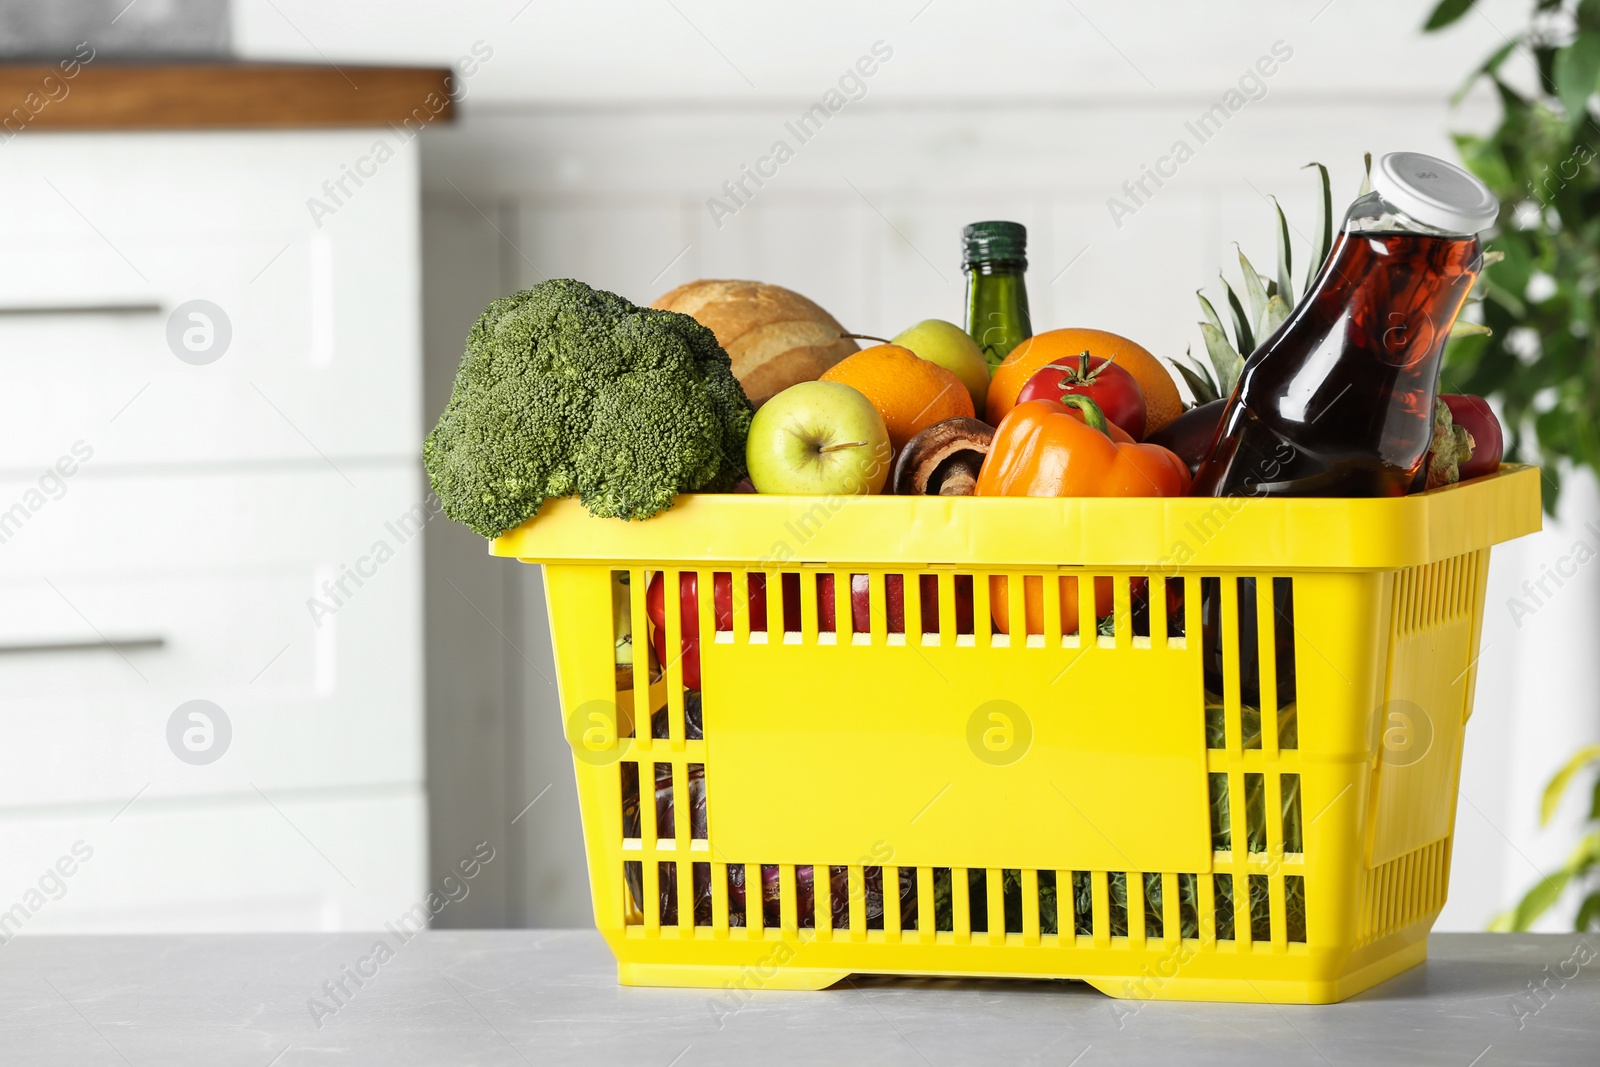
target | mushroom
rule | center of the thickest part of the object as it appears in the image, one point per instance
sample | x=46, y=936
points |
x=944, y=459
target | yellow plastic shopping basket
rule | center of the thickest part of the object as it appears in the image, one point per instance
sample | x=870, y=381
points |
x=1226, y=771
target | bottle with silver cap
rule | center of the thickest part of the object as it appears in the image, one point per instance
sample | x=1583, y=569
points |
x=1338, y=401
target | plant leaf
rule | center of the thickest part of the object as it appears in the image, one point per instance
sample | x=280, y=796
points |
x=1322, y=240
x=1585, y=854
x=1588, y=913
x=1228, y=363
x=1577, y=67
x=1463, y=328
x=1490, y=67
x=1366, y=174
x=1276, y=315
x=1446, y=13
x=1545, y=892
x=1562, y=778
x=1254, y=291
x=1285, y=255
x=1242, y=335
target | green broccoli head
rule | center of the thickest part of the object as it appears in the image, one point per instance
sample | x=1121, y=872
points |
x=566, y=389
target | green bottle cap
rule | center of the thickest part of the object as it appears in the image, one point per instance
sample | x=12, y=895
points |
x=992, y=242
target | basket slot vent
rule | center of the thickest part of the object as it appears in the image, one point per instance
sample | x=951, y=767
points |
x=1222, y=888
x=1188, y=905
x=1049, y=901
x=1154, y=921
x=1260, y=908
x=1403, y=891
x=696, y=782
x=630, y=799
x=1255, y=811
x=1284, y=660
x=1295, y=894
x=1430, y=595
x=1293, y=828
x=943, y=894
x=1221, y=826
x=630, y=630
x=1117, y=903
x=633, y=892
x=1011, y=900
x=666, y=810
x=1003, y=907
x=1248, y=659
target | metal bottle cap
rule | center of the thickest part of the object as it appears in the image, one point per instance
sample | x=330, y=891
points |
x=990, y=242
x=1434, y=192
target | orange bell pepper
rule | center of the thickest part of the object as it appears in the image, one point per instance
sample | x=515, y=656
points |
x=1067, y=448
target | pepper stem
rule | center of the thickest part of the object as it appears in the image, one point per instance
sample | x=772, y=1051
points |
x=1093, y=417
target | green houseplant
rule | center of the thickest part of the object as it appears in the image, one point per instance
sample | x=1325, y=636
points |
x=1541, y=361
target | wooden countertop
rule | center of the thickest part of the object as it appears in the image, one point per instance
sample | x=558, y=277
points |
x=101, y=95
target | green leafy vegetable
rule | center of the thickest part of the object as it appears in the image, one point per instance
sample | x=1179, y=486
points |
x=569, y=390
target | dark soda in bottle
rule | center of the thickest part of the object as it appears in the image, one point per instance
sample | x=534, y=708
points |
x=1338, y=401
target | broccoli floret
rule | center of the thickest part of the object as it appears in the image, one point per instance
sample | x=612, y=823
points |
x=566, y=389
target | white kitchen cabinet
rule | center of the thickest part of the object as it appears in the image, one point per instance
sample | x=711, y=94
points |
x=269, y=861
x=122, y=232
x=168, y=526
x=212, y=581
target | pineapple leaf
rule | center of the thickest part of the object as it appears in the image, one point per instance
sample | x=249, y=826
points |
x=1197, y=378
x=1254, y=292
x=1241, y=325
x=1366, y=175
x=1285, y=256
x=1276, y=315
x=1323, y=239
x=1209, y=311
x=1224, y=358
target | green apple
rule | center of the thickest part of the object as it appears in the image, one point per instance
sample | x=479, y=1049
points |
x=948, y=345
x=818, y=439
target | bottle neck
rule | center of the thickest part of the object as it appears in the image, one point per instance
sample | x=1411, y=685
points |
x=997, y=307
x=990, y=268
x=1373, y=214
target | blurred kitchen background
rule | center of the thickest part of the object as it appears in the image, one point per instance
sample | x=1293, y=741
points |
x=240, y=524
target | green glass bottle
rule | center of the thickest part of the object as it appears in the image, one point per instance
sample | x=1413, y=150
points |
x=995, y=257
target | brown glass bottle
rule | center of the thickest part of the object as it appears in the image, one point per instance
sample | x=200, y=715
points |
x=1339, y=400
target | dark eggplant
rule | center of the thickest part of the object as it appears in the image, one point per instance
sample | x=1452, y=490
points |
x=1190, y=434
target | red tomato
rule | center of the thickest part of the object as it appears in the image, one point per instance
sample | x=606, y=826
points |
x=1488, y=440
x=1101, y=380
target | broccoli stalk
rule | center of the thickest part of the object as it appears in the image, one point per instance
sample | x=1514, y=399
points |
x=566, y=389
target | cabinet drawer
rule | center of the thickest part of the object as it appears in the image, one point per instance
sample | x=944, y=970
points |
x=129, y=596
x=312, y=326
x=283, y=862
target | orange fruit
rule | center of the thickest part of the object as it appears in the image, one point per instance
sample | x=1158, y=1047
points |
x=911, y=393
x=1162, y=403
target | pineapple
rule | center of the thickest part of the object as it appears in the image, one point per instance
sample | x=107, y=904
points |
x=1268, y=301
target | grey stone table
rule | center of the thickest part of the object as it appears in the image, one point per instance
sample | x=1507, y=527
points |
x=513, y=997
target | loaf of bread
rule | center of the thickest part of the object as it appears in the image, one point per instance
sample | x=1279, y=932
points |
x=775, y=337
